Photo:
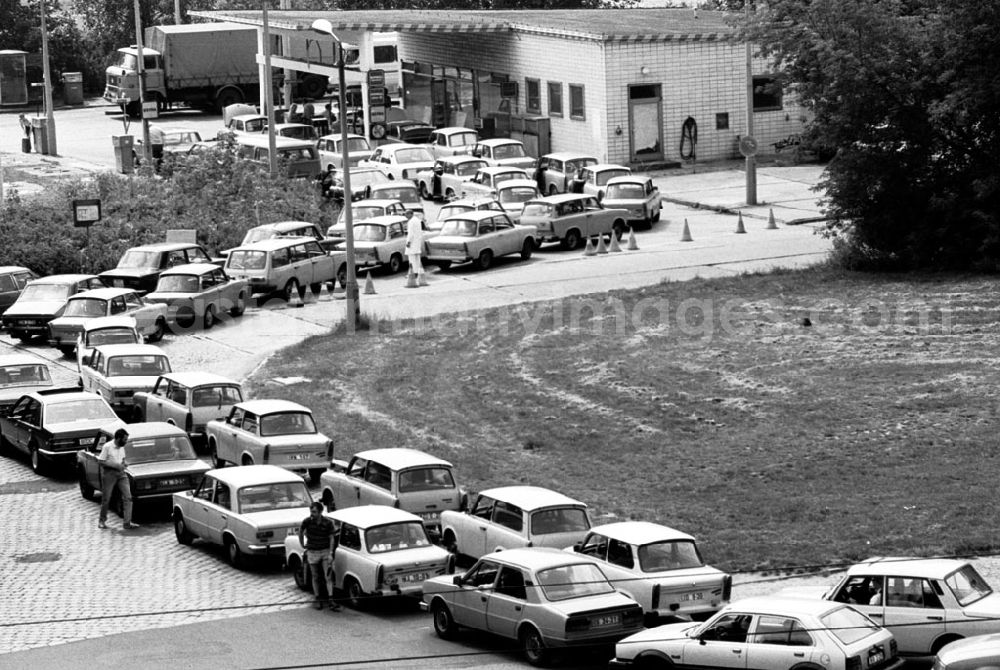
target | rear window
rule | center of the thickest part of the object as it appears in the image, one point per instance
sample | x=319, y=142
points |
x=112, y=335
x=138, y=365
x=7, y=284
x=517, y=194
x=41, y=292
x=537, y=209
x=287, y=423
x=674, y=555
x=16, y=375
x=369, y=233
x=86, y=307
x=462, y=139
x=247, y=260
x=559, y=520
x=626, y=192
x=216, y=396
x=177, y=284
x=849, y=625
x=425, y=479
x=573, y=581
x=459, y=227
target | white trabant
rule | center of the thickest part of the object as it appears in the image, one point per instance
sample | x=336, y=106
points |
x=445, y=179
x=331, y=152
x=503, y=151
x=150, y=318
x=555, y=171
x=117, y=372
x=249, y=511
x=658, y=567
x=399, y=161
x=275, y=432
x=106, y=330
x=267, y=231
x=593, y=179
x=487, y=180
x=381, y=551
x=515, y=516
x=198, y=293
x=408, y=479
x=188, y=400
x=479, y=237
x=21, y=374
x=571, y=218
x=637, y=195
x=362, y=210
x=452, y=140
x=766, y=632
x=461, y=206
x=284, y=265
x=381, y=242
x=405, y=191
x=513, y=193
x=541, y=597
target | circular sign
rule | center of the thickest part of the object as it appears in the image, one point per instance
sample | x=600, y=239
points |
x=378, y=131
x=748, y=146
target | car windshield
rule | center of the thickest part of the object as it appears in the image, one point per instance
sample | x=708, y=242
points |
x=452, y=210
x=258, y=234
x=355, y=144
x=24, y=375
x=459, y=227
x=361, y=212
x=247, y=260
x=216, y=395
x=508, y=151
x=297, y=153
x=849, y=625
x=125, y=61
x=426, y=479
x=254, y=125
x=507, y=176
x=462, y=139
x=366, y=232
x=46, y=292
x=298, y=132
x=162, y=448
x=79, y=410
x=135, y=258
x=86, y=307
x=287, y=423
x=396, y=536
x=177, y=284
x=401, y=193
x=181, y=137
x=559, y=520
x=414, y=155
x=516, y=194
x=669, y=555
x=967, y=585
x=138, y=365
x=603, y=177
x=573, y=581
x=469, y=168
x=537, y=209
x=112, y=335
x=265, y=497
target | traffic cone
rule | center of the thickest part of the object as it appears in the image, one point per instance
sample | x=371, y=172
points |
x=771, y=225
x=632, y=245
x=369, y=285
x=740, y=228
x=295, y=300
x=686, y=235
x=601, y=248
x=614, y=246
x=422, y=279
x=411, y=279
x=589, y=249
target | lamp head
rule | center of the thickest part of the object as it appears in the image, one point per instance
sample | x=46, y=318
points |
x=323, y=26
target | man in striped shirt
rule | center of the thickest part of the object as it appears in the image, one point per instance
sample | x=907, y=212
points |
x=316, y=534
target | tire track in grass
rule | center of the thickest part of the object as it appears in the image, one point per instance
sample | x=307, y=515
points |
x=352, y=403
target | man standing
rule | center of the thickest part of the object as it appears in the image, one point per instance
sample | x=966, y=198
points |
x=415, y=246
x=316, y=534
x=112, y=462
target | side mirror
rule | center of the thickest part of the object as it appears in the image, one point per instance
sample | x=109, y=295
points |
x=578, y=547
x=457, y=580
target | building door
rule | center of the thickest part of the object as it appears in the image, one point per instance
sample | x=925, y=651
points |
x=645, y=122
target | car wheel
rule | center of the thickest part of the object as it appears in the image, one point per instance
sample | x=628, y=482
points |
x=291, y=288
x=443, y=265
x=86, y=490
x=424, y=193
x=67, y=351
x=656, y=216
x=653, y=663
x=208, y=320
x=341, y=277
x=316, y=288
x=942, y=641
x=233, y=554
x=485, y=259
x=240, y=306
x=534, y=646
x=217, y=462
x=572, y=240
x=327, y=500
x=449, y=543
x=552, y=189
x=246, y=460
x=314, y=474
x=159, y=330
x=618, y=229
x=300, y=573
x=395, y=263
x=444, y=622
x=355, y=596
x=527, y=249
x=38, y=464
x=181, y=532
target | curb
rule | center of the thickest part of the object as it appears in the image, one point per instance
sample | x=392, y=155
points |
x=723, y=209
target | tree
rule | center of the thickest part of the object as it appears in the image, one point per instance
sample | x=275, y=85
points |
x=21, y=29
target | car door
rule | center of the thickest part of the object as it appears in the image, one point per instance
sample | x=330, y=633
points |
x=17, y=426
x=471, y=534
x=322, y=263
x=144, y=313
x=505, y=605
x=376, y=489
x=155, y=400
x=913, y=612
x=90, y=372
x=506, y=529
x=348, y=550
x=722, y=645
x=780, y=642
x=197, y=255
x=87, y=459
x=506, y=240
x=618, y=572
x=248, y=439
x=473, y=594
x=226, y=436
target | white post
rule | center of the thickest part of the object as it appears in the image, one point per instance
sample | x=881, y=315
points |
x=50, y=119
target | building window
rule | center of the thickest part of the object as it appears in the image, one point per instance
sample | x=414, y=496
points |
x=722, y=121
x=533, y=96
x=766, y=93
x=555, y=98
x=576, y=102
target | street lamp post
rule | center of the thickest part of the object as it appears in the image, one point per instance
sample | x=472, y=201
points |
x=751, y=159
x=324, y=27
x=50, y=119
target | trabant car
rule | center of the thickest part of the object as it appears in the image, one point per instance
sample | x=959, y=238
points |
x=404, y=478
x=980, y=652
x=330, y=152
x=118, y=371
x=20, y=374
x=361, y=210
x=106, y=330
x=399, y=161
x=479, y=237
x=925, y=602
x=409, y=131
x=275, y=432
x=487, y=180
x=13, y=279
x=658, y=567
x=50, y=425
x=515, y=516
x=541, y=597
x=637, y=195
x=451, y=140
x=405, y=191
x=188, y=400
x=503, y=151
x=43, y=300
x=249, y=511
x=570, y=218
x=150, y=318
x=555, y=171
x=593, y=179
x=362, y=179
x=381, y=551
x=159, y=461
x=460, y=206
x=285, y=264
x=267, y=231
x=445, y=179
x=766, y=632
x=200, y=293
x=298, y=158
x=176, y=142
x=139, y=268
x=243, y=124
x=381, y=242
x=295, y=131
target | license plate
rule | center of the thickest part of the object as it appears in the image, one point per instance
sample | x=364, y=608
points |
x=430, y=516
x=298, y=457
x=875, y=656
x=177, y=481
x=118, y=283
x=415, y=577
x=608, y=620
x=697, y=595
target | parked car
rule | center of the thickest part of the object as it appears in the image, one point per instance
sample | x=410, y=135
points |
x=980, y=652
x=381, y=552
x=407, y=479
x=330, y=152
x=361, y=179
x=20, y=374
x=267, y=231
x=159, y=458
x=766, y=632
x=381, y=242
x=540, y=597
x=43, y=300
x=116, y=372
x=296, y=158
x=272, y=432
x=200, y=293
x=451, y=141
x=658, y=567
x=247, y=510
x=513, y=193
x=486, y=182
x=460, y=206
x=637, y=195
x=570, y=218
x=13, y=279
x=252, y=124
x=399, y=161
x=405, y=191
x=593, y=179
x=189, y=400
x=50, y=425
x=925, y=602
x=106, y=330
x=445, y=179
x=555, y=171
x=176, y=142
x=515, y=516
x=409, y=131
x=362, y=210
x=139, y=268
x=295, y=131
x=285, y=264
x=150, y=317
x=503, y=151
x=479, y=237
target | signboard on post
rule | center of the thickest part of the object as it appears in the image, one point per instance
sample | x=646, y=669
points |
x=150, y=110
x=86, y=213
x=376, y=79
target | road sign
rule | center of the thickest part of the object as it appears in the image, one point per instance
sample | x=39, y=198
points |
x=86, y=213
x=376, y=79
x=376, y=97
x=748, y=146
x=150, y=110
x=378, y=131
x=377, y=113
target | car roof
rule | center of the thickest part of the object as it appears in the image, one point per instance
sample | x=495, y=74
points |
x=399, y=458
x=561, y=197
x=378, y=202
x=336, y=136
x=494, y=169
x=13, y=268
x=639, y=532
x=367, y=516
x=510, y=183
x=382, y=220
x=536, y=558
x=930, y=568
x=396, y=146
x=475, y=215
x=62, y=279
x=449, y=130
x=601, y=167
x=249, y=475
x=190, y=269
x=569, y=156
x=198, y=378
x=470, y=202
x=19, y=359
x=145, y=429
x=130, y=350
x=784, y=605
x=273, y=243
x=393, y=184
x=460, y=158
x=245, y=117
x=629, y=179
x=117, y=321
x=494, y=141
x=102, y=293
x=280, y=142
x=165, y=246
x=269, y=406
x=530, y=497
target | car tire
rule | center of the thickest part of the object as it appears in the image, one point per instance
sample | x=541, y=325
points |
x=449, y=543
x=341, y=278
x=444, y=622
x=942, y=641
x=213, y=450
x=291, y=288
x=300, y=573
x=618, y=229
x=356, y=597
x=86, y=490
x=181, y=532
x=233, y=554
x=395, y=264
x=159, y=331
x=6, y=449
x=485, y=260
x=653, y=663
x=527, y=248
x=240, y=306
x=655, y=217
x=424, y=193
x=572, y=240
x=314, y=475
x=552, y=189
x=208, y=319
x=443, y=265
x=246, y=460
x=316, y=288
x=38, y=464
x=533, y=646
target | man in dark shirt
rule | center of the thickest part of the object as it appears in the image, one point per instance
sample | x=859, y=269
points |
x=316, y=534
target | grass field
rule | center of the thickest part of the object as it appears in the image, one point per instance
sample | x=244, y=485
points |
x=785, y=420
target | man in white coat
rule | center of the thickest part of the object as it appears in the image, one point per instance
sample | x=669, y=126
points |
x=415, y=248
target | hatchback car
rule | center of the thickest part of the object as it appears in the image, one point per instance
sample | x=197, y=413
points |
x=362, y=210
x=106, y=330
x=503, y=151
x=331, y=153
x=593, y=179
x=445, y=179
x=200, y=294
x=452, y=140
x=637, y=195
x=13, y=279
x=119, y=371
x=480, y=238
x=43, y=300
x=189, y=400
x=139, y=268
x=555, y=171
x=267, y=231
x=399, y=161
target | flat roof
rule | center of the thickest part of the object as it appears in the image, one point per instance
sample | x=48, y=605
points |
x=399, y=458
x=640, y=532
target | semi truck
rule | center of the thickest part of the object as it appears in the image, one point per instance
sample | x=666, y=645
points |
x=208, y=65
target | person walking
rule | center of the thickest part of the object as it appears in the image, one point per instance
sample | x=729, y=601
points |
x=415, y=245
x=316, y=534
x=156, y=141
x=112, y=461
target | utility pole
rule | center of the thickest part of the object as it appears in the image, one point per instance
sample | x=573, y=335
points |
x=751, y=153
x=267, y=81
x=147, y=150
x=50, y=119
x=178, y=17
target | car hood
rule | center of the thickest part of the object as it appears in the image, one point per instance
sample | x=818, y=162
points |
x=987, y=607
x=85, y=426
x=665, y=633
x=129, y=272
x=36, y=308
x=177, y=467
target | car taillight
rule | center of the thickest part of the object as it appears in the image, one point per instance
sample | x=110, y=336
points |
x=577, y=624
x=893, y=648
x=465, y=245
x=396, y=504
x=655, y=604
x=188, y=423
x=380, y=575
x=267, y=452
x=727, y=587
x=853, y=663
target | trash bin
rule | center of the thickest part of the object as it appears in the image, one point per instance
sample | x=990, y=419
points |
x=124, y=162
x=40, y=134
x=73, y=88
